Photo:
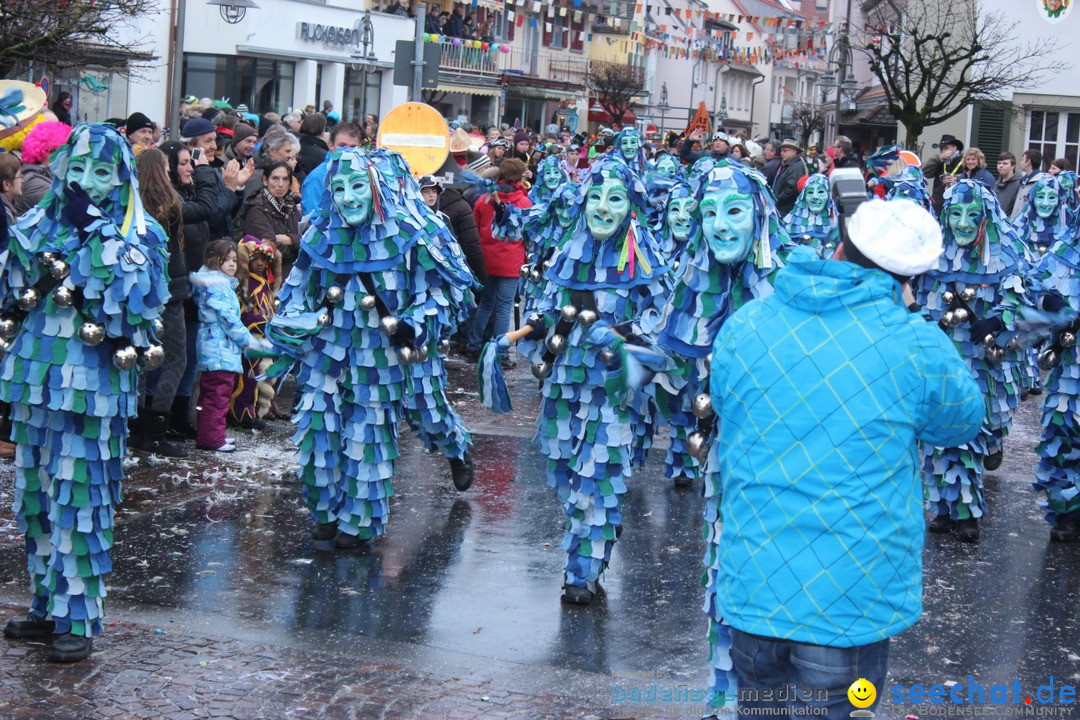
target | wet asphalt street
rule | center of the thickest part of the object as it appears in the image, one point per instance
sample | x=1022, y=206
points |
x=223, y=606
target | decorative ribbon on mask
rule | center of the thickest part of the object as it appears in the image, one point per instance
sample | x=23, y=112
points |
x=763, y=261
x=376, y=199
x=982, y=245
x=631, y=251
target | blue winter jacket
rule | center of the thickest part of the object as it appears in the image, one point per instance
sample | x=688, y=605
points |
x=823, y=391
x=222, y=336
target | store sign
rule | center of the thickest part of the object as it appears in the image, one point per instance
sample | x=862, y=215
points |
x=328, y=34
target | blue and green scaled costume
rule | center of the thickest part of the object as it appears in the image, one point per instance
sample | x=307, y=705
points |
x=354, y=386
x=705, y=295
x=586, y=413
x=991, y=269
x=821, y=231
x=70, y=402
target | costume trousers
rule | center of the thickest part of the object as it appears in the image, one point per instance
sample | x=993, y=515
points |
x=429, y=412
x=68, y=473
x=215, y=391
x=1058, y=470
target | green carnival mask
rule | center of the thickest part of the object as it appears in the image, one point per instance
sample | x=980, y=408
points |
x=97, y=177
x=964, y=219
x=666, y=165
x=606, y=207
x=553, y=176
x=352, y=196
x=680, y=218
x=629, y=146
x=817, y=198
x=727, y=222
x=1046, y=202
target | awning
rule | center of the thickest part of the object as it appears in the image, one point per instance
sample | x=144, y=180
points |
x=469, y=89
x=603, y=116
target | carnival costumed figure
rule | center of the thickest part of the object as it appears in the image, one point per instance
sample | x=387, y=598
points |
x=680, y=225
x=909, y=184
x=259, y=273
x=607, y=275
x=548, y=225
x=974, y=294
x=739, y=251
x=83, y=281
x=1070, y=197
x=550, y=174
x=813, y=220
x=370, y=295
x=661, y=177
x=1058, y=470
x=628, y=148
x=1043, y=221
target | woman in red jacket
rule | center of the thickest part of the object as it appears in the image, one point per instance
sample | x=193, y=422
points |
x=503, y=259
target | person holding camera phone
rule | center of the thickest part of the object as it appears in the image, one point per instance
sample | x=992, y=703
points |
x=944, y=168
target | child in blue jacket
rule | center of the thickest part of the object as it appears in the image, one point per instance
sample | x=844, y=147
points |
x=221, y=340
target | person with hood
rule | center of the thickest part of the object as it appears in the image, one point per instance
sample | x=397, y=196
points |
x=503, y=255
x=342, y=135
x=84, y=275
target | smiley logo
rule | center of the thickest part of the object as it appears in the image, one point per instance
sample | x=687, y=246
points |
x=862, y=693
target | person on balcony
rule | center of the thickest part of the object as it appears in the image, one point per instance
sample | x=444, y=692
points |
x=455, y=26
x=431, y=21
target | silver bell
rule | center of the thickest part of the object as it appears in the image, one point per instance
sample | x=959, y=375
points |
x=960, y=316
x=948, y=297
x=158, y=326
x=444, y=347
x=967, y=294
x=4, y=346
x=28, y=299
x=541, y=370
x=1067, y=339
x=124, y=358
x=524, y=271
x=91, y=333
x=63, y=297
x=334, y=294
x=556, y=344
x=535, y=275
x=59, y=269
x=406, y=354
x=1042, y=251
x=421, y=354
x=569, y=313
x=675, y=266
x=607, y=356
x=697, y=445
x=702, y=406
x=1014, y=344
x=989, y=340
x=8, y=328
x=277, y=303
x=47, y=258
x=1048, y=359
x=995, y=353
x=323, y=320
x=367, y=302
x=153, y=356
x=948, y=318
x=586, y=318
x=388, y=324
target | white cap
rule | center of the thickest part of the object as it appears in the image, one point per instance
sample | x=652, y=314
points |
x=898, y=235
x=753, y=148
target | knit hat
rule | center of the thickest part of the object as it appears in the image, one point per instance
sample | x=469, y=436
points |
x=521, y=136
x=136, y=122
x=195, y=127
x=243, y=131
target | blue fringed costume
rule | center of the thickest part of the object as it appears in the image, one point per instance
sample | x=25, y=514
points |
x=985, y=277
x=709, y=290
x=818, y=229
x=363, y=313
x=586, y=421
x=70, y=373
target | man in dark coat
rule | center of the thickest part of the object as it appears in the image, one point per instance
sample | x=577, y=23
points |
x=462, y=221
x=786, y=185
x=944, y=168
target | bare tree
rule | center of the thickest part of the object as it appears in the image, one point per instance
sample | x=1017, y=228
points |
x=616, y=86
x=807, y=118
x=934, y=59
x=55, y=35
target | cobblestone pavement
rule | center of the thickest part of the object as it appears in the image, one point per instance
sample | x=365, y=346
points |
x=221, y=606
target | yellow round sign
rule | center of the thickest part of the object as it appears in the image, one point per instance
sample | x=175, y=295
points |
x=419, y=133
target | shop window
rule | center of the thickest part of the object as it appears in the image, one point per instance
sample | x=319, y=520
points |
x=362, y=98
x=263, y=84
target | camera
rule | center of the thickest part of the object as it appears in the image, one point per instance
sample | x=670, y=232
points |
x=849, y=192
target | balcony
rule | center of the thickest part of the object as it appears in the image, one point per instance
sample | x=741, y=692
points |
x=476, y=66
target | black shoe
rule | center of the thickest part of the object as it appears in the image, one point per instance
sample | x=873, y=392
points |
x=324, y=531
x=577, y=595
x=463, y=471
x=1035, y=390
x=154, y=439
x=345, y=541
x=30, y=627
x=180, y=419
x=683, y=482
x=69, y=648
x=940, y=524
x=1066, y=529
x=967, y=530
x=993, y=460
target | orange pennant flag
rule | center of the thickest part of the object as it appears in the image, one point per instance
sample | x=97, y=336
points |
x=700, y=121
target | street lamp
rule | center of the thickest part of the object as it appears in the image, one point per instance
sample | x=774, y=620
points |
x=663, y=106
x=363, y=59
x=233, y=11
x=840, y=55
x=721, y=114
